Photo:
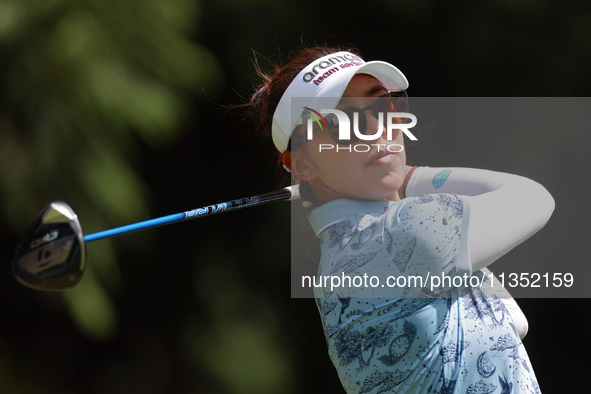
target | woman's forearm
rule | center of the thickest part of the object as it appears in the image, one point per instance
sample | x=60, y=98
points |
x=464, y=181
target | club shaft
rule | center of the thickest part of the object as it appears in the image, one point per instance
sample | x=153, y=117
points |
x=284, y=194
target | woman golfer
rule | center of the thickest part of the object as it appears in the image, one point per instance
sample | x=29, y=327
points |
x=387, y=230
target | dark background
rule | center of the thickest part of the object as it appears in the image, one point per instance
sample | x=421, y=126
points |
x=121, y=109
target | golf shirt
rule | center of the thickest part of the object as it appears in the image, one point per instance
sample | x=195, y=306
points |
x=411, y=334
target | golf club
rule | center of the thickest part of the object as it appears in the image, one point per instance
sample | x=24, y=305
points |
x=52, y=253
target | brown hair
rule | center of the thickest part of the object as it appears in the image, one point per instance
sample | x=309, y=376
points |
x=264, y=101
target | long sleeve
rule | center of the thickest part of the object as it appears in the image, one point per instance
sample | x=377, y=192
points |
x=505, y=209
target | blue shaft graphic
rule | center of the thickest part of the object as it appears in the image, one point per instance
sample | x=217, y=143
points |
x=284, y=194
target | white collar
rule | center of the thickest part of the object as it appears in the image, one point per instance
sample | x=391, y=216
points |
x=343, y=208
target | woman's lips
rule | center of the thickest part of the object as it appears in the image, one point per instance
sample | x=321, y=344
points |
x=383, y=158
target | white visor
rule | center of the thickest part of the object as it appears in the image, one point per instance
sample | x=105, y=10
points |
x=324, y=81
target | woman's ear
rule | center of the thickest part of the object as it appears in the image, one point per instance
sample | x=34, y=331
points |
x=300, y=166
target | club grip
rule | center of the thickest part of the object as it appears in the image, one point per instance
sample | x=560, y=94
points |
x=295, y=192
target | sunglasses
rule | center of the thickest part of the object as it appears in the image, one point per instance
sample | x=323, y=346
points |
x=389, y=102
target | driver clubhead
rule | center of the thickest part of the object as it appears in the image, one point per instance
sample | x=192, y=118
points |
x=52, y=254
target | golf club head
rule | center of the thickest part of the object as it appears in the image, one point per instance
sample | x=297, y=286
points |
x=52, y=254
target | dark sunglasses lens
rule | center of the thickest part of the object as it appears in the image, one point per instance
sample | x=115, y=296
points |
x=356, y=119
x=401, y=103
x=333, y=126
x=332, y=122
x=392, y=103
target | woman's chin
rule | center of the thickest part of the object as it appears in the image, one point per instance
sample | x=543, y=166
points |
x=391, y=183
x=385, y=192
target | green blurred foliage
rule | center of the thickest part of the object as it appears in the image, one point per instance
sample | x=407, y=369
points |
x=243, y=325
x=82, y=83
